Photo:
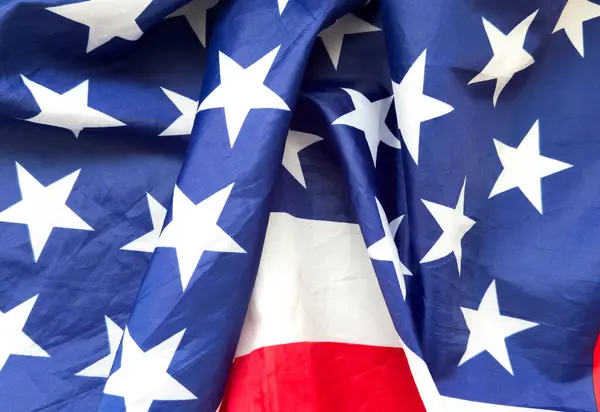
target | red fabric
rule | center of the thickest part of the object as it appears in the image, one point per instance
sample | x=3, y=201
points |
x=322, y=377
x=596, y=373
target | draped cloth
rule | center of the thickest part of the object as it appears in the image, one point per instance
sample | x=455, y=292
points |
x=299, y=205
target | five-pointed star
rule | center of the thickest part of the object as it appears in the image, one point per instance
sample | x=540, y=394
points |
x=413, y=107
x=571, y=20
x=43, y=208
x=296, y=142
x=143, y=377
x=183, y=124
x=281, y=4
x=106, y=19
x=489, y=329
x=14, y=341
x=385, y=248
x=509, y=55
x=195, y=14
x=147, y=242
x=524, y=167
x=69, y=110
x=333, y=36
x=194, y=230
x=454, y=225
x=101, y=368
x=370, y=118
x=242, y=90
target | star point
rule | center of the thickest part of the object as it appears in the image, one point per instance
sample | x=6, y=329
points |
x=369, y=117
x=106, y=19
x=385, y=248
x=194, y=230
x=523, y=167
x=69, y=110
x=14, y=341
x=281, y=5
x=195, y=14
x=509, y=55
x=142, y=377
x=241, y=90
x=413, y=107
x=294, y=144
x=454, y=225
x=571, y=20
x=183, y=125
x=43, y=208
x=333, y=36
x=488, y=329
x=147, y=242
x=102, y=367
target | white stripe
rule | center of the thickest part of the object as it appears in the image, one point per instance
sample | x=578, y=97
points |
x=427, y=389
x=434, y=402
x=315, y=283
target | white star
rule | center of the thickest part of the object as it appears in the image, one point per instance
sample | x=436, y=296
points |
x=509, y=55
x=333, y=36
x=194, y=230
x=489, y=329
x=454, y=225
x=143, y=377
x=147, y=242
x=69, y=110
x=101, y=368
x=106, y=19
x=571, y=20
x=43, y=208
x=370, y=118
x=184, y=123
x=524, y=167
x=195, y=14
x=242, y=90
x=385, y=248
x=413, y=107
x=14, y=341
x=296, y=142
x=281, y=4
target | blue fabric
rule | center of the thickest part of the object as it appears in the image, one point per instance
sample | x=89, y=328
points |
x=545, y=266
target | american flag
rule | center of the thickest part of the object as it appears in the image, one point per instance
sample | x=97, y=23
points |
x=299, y=205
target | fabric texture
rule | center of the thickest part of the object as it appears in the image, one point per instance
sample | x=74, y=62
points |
x=299, y=205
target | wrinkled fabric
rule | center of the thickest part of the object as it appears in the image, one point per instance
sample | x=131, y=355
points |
x=536, y=256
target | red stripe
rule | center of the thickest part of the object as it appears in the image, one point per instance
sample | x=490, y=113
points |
x=322, y=377
x=596, y=372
